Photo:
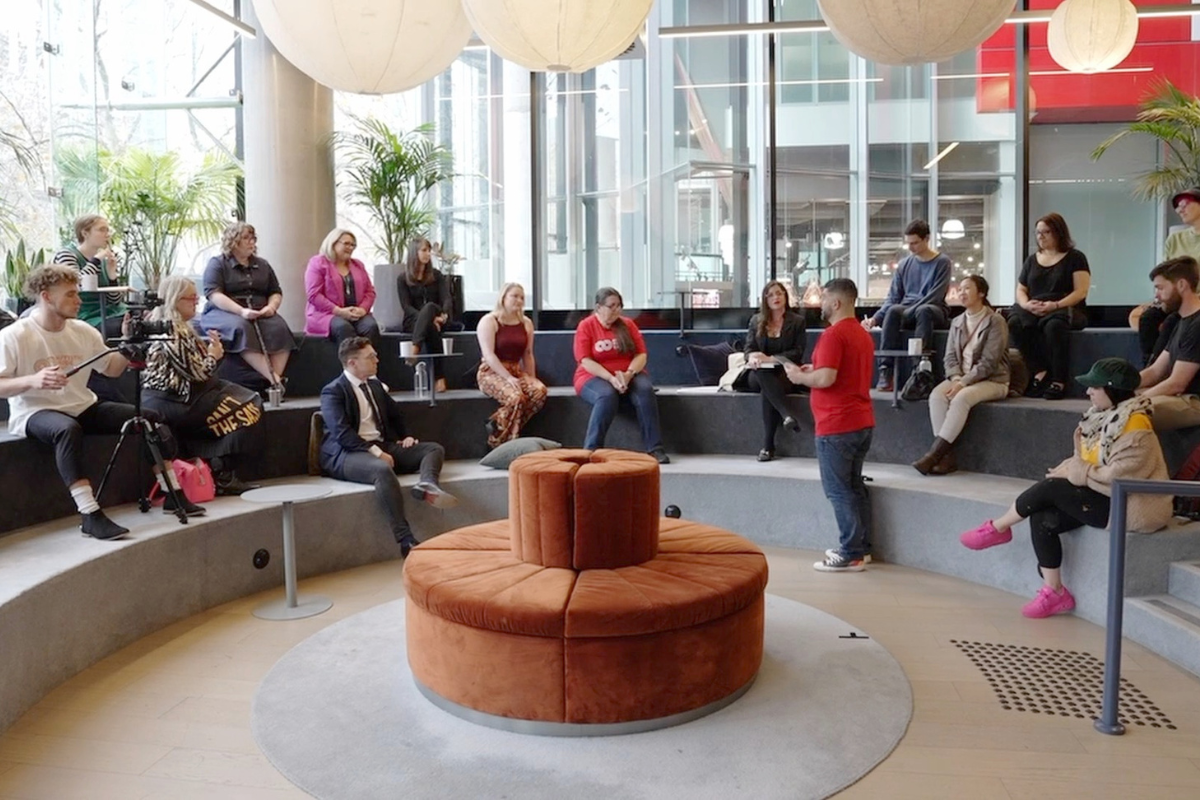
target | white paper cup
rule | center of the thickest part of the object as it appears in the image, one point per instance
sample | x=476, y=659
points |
x=915, y=347
x=406, y=349
x=447, y=346
x=89, y=283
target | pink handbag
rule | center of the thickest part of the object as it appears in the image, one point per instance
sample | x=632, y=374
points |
x=195, y=479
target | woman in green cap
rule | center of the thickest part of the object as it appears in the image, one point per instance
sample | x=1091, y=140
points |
x=1114, y=440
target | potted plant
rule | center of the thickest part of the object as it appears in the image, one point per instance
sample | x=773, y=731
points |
x=152, y=204
x=1172, y=117
x=17, y=264
x=388, y=173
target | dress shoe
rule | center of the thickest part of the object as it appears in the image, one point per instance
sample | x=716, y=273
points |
x=434, y=495
x=791, y=424
x=98, y=526
x=660, y=455
x=766, y=455
x=189, y=508
x=407, y=542
x=228, y=484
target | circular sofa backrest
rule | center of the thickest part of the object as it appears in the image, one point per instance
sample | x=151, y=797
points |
x=584, y=509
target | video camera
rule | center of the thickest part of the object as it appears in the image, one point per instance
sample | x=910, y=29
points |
x=141, y=329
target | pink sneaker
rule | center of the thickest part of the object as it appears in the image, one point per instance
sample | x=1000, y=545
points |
x=1048, y=602
x=985, y=536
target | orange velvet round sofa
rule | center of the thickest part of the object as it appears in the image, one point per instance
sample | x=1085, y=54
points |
x=584, y=612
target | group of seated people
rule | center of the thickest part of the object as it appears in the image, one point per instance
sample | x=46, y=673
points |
x=199, y=415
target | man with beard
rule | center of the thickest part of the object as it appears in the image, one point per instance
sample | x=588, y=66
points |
x=1172, y=382
x=840, y=379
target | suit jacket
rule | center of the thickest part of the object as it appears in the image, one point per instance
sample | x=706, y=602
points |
x=323, y=285
x=792, y=336
x=339, y=408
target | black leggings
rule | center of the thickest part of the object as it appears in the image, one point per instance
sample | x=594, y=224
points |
x=1045, y=342
x=773, y=385
x=65, y=433
x=1054, y=506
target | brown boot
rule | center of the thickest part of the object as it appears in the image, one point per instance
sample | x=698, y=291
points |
x=947, y=465
x=927, y=462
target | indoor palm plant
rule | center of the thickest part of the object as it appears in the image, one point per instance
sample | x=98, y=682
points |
x=151, y=202
x=1172, y=117
x=389, y=173
x=17, y=264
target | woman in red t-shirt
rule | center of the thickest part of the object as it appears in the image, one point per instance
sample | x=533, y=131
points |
x=611, y=355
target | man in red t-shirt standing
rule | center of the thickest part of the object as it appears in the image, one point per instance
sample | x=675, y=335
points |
x=840, y=379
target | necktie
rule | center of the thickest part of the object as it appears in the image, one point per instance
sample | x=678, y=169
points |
x=366, y=389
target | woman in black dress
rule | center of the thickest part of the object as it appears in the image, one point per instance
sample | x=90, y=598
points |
x=776, y=330
x=1051, y=298
x=243, y=305
x=425, y=297
x=212, y=419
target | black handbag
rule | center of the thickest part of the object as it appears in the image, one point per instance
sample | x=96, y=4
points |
x=919, y=385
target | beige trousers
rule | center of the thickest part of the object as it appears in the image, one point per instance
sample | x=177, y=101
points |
x=1173, y=413
x=948, y=417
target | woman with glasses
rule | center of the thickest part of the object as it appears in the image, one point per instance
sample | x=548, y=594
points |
x=611, y=355
x=340, y=292
x=213, y=419
x=1051, y=297
x=243, y=305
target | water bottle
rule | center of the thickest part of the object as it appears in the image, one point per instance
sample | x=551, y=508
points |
x=925, y=365
x=421, y=381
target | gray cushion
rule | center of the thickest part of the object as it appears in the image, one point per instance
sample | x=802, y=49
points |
x=509, y=452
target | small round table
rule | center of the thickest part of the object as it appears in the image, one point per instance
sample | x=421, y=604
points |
x=290, y=607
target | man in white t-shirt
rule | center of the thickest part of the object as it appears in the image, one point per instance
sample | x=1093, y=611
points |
x=48, y=405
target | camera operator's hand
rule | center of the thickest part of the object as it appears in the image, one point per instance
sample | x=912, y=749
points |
x=251, y=313
x=49, y=378
x=215, y=349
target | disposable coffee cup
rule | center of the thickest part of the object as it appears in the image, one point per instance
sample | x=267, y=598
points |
x=89, y=282
x=915, y=347
x=447, y=346
x=406, y=349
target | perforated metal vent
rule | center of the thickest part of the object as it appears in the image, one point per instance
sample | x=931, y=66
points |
x=1060, y=683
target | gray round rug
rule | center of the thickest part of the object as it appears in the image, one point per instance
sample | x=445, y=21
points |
x=340, y=716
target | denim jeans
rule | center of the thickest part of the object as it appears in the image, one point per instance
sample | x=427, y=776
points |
x=605, y=400
x=840, y=457
x=921, y=320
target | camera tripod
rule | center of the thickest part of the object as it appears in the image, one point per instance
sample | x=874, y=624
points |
x=139, y=426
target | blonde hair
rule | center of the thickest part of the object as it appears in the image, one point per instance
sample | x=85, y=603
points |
x=332, y=239
x=83, y=225
x=231, y=234
x=45, y=277
x=170, y=290
x=504, y=290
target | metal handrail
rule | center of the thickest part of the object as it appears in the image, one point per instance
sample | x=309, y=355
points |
x=1109, y=722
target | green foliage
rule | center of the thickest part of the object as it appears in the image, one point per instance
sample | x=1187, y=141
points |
x=1172, y=117
x=389, y=173
x=26, y=159
x=17, y=264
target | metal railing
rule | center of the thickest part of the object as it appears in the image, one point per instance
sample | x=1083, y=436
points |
x=1109, y=721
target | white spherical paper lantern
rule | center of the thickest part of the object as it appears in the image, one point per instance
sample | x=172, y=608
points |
x=901, y=32
x=1092, y=35
x=366, y=46
x=558, y=35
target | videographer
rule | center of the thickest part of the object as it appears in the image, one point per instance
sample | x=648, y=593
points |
x=36, y=353
x=214, y=419
x=243, y=304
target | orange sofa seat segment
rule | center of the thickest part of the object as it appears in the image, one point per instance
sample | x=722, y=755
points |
x=489, y=590
x=616, y=510
x=584, y=509
x=682, y=536
x=498, y=673
x=656, y=675
x=492, y=535
x=672, y=591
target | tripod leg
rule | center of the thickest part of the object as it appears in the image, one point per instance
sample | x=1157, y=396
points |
x=112, y=460
x=150, y=436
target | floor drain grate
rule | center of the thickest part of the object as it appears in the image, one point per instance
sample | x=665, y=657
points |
x=1059, y=683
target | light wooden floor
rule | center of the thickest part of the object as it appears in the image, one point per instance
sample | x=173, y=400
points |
x=168, y=717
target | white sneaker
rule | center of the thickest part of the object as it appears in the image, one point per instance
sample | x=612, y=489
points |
x=866, y=559
x=839, y=563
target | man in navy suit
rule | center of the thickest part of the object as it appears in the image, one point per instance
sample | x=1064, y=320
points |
x=365, y=440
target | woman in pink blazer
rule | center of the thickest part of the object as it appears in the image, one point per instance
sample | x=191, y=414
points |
x=340, y=294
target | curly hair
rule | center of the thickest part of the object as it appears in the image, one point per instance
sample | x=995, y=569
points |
x=231, y=234
x=45, y=277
